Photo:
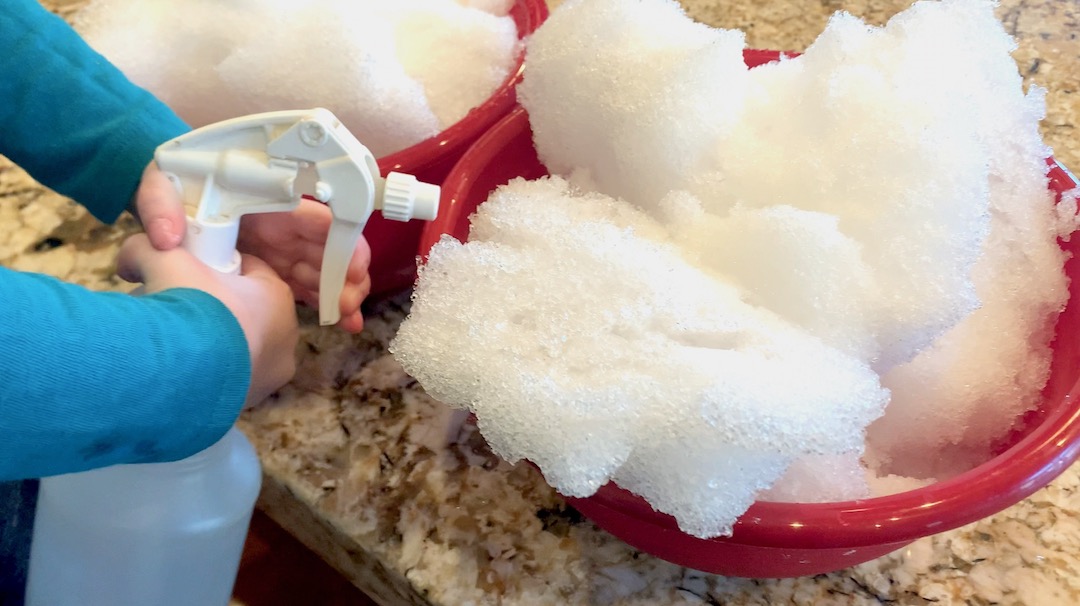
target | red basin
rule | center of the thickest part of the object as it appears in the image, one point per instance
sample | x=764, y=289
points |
x=799, y=539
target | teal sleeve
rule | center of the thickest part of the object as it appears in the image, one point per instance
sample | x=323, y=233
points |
x=69, y=117
x=92, y=379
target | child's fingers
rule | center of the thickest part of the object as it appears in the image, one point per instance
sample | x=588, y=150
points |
x=352, y=295
x=360, y=262
x=312, y=256
x=160, y=209
x=254, y=267
x=352, y=323
x=311, y=253
x=357, y=284
x=140, y=261
x=305, y=296
x=305, y=276
x=311, y=220
x=131, y=261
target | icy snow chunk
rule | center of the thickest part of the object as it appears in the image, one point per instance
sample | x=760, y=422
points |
x=884, y=485
x=394, y=73
x=631, y=109
x=794, y=262
x=821, y=479
x=889, y=135
x=1068, y=213
x=704, y=484
x=965, y=390
x=459, y=56
x=635, y=358
x=348, y=64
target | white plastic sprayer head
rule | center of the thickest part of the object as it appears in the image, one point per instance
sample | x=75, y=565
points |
x=265, y=163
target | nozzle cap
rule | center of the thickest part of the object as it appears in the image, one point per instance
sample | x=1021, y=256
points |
x=405, y=198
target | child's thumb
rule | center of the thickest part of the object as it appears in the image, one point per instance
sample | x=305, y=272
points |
x=159, y=208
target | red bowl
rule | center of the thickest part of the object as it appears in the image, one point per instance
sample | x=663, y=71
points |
x=394, y=244
x=799, y=539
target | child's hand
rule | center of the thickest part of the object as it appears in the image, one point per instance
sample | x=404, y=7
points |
x=261, y=302
x=291, y=243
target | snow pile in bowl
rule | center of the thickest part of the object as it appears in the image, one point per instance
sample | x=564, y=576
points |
x=395, y=73
x=822, y=278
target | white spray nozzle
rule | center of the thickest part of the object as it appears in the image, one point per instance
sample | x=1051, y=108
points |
x=266, y=163
x=405, y=198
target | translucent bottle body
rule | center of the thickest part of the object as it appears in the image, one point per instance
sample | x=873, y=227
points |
x=167, y=534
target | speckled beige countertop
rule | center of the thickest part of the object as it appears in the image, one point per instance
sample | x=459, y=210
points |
x=357, y=464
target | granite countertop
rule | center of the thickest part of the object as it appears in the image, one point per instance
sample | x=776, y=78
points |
x=401, y=494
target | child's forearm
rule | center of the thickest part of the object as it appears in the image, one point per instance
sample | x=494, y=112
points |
x=93, y=379
x=69, y=117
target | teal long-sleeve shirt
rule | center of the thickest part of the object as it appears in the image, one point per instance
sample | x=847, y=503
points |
x=92, y=379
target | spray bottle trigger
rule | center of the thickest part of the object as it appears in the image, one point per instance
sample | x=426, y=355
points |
x=340, y=244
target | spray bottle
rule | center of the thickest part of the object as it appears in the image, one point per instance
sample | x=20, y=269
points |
x=171, y=534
